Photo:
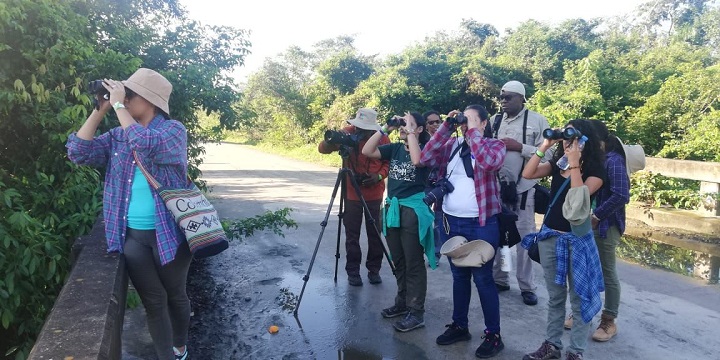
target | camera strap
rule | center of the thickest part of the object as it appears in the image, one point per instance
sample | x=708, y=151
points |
x=495, y=129
x=450, y=159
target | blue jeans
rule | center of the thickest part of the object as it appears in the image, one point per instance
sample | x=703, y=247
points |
x=482, y=276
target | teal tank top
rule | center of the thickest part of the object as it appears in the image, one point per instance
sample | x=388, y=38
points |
x=141, y=211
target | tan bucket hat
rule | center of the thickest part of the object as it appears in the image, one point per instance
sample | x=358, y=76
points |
x=464, y=253
x=365, y=118
x=152, y=86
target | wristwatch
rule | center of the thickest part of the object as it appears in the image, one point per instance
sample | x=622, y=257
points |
x=118, y=105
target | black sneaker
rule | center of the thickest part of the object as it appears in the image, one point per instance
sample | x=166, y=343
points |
x=502, y=287
x=374, y=278
x=394, y=311
x=409, y=322
x=546, y=351
x=355, y=280
x=491, y=346
x=453, y=334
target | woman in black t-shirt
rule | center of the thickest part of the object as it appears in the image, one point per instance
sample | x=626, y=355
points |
x=565, y=252
x=407, y=220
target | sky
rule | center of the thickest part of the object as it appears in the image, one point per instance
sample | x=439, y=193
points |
x=380, y=26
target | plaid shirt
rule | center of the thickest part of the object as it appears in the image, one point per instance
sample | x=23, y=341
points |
x=489, y=156
x=162, y=148
x=586, y=269
x=613, y=195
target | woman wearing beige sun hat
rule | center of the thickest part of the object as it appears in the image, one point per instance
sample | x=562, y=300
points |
x=137, y=223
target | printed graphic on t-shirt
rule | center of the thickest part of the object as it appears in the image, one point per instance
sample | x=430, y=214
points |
x=402, y=170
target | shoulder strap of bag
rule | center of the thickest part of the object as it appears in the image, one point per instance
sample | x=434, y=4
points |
x=523, y=142
x=557, y=195
x=151, y=180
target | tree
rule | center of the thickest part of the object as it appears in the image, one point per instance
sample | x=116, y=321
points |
x=49, y=50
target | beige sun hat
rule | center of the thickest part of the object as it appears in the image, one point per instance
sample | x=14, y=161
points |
x=151, y=86
x=366, y=119
x=634, y=157
x=464, y=253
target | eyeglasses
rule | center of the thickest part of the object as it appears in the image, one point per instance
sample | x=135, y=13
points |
x=505, y=97
x=434, y=122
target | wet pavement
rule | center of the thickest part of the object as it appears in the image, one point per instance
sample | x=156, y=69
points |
x=238, y=294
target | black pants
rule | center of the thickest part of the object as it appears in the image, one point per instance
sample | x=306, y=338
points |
x=352, y=219
x=161, y=289
x=408, y=257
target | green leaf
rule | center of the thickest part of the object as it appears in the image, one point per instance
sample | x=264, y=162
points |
x=7, y=317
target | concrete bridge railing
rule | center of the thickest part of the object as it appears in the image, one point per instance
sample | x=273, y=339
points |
x=708, y=173
x=86, y=320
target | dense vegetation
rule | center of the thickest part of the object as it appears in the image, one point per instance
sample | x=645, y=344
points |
x=653, y=76
x=49, y=50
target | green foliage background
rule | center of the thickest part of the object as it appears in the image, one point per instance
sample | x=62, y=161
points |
x=653, y=76
x=49, y=50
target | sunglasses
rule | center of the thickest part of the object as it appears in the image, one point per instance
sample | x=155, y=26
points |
x=434, y=122
x=129, y=94
x=505, y=97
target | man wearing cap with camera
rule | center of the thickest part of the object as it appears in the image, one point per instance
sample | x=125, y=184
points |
x=470, y=208
x=520, y=129
x=369, y=174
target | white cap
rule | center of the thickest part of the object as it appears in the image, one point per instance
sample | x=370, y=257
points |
x=514, y=86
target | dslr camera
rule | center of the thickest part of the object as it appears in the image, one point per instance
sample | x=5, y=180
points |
x=335, y=137
x=396, y=121
x=442, y=187
x=459, y=119
x=565, y=134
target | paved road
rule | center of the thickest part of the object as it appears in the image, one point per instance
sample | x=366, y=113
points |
x=242, y=291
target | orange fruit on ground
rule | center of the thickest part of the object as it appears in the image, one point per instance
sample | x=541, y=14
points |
x=273, y=329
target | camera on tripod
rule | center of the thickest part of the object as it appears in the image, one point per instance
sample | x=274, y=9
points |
x=442, y=187
x=459, y=119
x=565, y=134
x=335, y=137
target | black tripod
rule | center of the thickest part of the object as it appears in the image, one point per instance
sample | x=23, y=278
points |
x=340, y=184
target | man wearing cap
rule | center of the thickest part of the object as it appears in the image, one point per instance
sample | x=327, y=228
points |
x=520, y=129
x=370, y=174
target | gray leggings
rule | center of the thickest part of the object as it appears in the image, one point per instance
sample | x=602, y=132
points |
x=161, y=288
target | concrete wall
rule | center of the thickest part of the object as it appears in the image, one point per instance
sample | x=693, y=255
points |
x=708, y=173
x=86, y=320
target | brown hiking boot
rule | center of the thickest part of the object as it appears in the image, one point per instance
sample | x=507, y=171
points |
x=568, y=322
x=606, y=330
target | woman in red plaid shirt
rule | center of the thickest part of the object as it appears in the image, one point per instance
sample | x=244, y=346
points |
x=470, y=163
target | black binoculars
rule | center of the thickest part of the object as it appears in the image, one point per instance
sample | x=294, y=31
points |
x=565, y=134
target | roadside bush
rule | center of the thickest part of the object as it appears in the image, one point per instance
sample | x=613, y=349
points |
x=657, y=190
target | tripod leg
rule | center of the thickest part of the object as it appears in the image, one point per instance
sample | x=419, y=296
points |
x=369, y=217
x=341, y=213
x=323, y=225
